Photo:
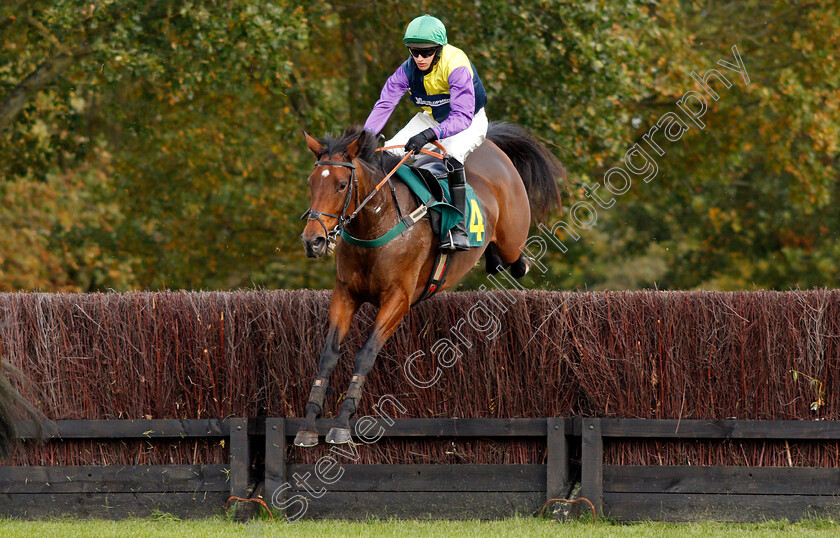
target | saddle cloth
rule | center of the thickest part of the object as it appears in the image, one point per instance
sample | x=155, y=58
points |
x=444, y=216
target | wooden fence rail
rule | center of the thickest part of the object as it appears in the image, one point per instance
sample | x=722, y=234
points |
x=117, y=491
x=721, y=493
x=336, y=486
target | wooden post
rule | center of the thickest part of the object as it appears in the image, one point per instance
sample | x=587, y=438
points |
x=275, y=461
x=557, y=460
x=592, y=463
x=240, y=458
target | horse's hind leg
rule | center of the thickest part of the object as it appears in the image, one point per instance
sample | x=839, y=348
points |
x=493, y=262
x=342, y=309
x=511, y=232
x=496, y=260
x=391, y=313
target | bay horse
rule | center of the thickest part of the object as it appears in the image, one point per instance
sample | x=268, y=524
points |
x=514, y=177
x=13, y=408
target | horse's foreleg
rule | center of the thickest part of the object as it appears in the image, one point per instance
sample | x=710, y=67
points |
x=391, y=313
x=342, y=309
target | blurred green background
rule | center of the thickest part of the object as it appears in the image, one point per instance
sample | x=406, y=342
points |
x=151, y=144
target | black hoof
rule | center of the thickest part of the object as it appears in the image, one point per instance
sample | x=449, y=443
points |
x=521, y=266
x=339, y=436
x=306, y=439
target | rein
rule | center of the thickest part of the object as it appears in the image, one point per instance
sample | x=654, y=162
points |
x=344, y=220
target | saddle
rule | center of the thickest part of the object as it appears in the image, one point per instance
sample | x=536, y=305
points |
x=430, y=171
x=428, y=182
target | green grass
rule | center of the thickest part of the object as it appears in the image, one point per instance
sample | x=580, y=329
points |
x=170, y=526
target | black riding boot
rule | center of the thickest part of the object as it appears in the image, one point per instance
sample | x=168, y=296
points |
x=457, y=239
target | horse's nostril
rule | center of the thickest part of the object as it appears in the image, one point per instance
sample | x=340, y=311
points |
x=315, y=247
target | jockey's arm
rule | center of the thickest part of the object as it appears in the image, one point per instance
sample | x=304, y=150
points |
x=461, y=103
x=395, y=87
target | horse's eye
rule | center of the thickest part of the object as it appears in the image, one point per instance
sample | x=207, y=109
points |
x=342, y=185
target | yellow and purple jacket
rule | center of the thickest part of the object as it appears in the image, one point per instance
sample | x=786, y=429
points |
x=451, y=92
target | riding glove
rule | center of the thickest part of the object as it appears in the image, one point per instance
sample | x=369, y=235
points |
x=416, y=142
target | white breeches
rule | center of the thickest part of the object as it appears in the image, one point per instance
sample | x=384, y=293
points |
x=459, y=145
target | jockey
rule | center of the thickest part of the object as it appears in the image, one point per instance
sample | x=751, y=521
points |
x=444, y=83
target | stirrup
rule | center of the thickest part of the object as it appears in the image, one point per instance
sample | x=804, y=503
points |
x=456, y=241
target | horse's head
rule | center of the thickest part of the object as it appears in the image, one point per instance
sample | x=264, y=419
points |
x=332, y=188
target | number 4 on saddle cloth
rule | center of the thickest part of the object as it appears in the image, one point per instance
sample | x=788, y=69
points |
x=449, y=215
x=443, y=215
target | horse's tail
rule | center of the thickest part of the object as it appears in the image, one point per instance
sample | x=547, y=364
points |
x=537, y=166
x=11, y=405
x=8, y=433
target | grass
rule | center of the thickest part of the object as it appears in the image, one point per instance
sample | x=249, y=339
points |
x=164, y=525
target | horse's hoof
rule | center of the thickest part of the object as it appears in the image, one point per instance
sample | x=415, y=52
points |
x=521, y=266
x=528, y=264
x=306, y=439
x=339, y=436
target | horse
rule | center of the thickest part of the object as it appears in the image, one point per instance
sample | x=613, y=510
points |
x=515, y=179
x=14, y=407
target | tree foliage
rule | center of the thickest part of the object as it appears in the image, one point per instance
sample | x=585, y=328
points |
x=154, y=144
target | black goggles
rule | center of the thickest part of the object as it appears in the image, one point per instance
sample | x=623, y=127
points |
x=423, y=53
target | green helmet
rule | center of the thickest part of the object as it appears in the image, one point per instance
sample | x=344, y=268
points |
x=425, y=29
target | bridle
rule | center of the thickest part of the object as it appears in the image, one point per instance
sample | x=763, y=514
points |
x=343, y=219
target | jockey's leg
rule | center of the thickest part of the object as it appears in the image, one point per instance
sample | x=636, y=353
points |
x=419, y=123
x=462, y=144
x=457, y=238
x=458, y=147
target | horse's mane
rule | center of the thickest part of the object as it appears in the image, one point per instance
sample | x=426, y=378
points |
x=382, y=161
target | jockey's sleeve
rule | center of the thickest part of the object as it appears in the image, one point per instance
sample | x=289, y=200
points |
x=395, y=87
x=461, y=103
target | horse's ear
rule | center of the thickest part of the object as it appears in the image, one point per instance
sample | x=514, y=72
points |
x=314, y=146
x=355, y=147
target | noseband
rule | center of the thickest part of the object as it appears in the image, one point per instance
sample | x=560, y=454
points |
x=343, y=219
